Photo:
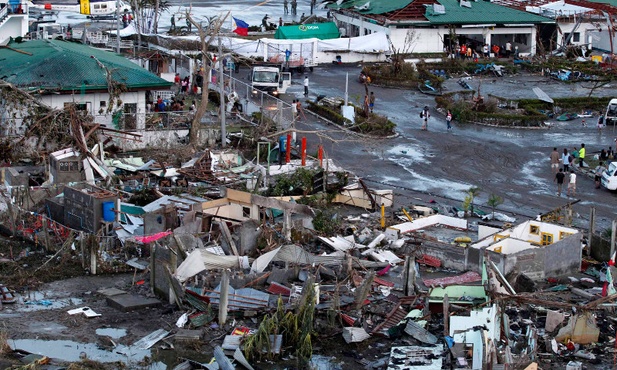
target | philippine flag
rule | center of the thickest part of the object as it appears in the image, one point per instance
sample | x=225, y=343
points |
x=242, y=28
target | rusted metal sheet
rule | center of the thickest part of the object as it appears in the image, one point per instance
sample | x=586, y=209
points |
x=468, y=277
x=394, y=318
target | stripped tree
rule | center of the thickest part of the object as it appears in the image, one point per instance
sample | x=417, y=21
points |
x=206, y=37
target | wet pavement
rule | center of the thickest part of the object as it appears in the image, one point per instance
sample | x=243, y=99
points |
x=440, y=165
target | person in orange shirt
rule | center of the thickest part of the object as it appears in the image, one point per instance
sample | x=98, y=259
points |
x=496, y=50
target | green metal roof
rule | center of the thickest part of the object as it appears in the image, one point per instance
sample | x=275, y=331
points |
x=608, y=2
x=62, y=65
x=481, y=12
x=375, y=6
x=322, y=31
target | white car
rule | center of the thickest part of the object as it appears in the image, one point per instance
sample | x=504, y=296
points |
x=609, y=177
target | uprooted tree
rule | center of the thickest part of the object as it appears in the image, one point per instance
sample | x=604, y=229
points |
x=30, y=127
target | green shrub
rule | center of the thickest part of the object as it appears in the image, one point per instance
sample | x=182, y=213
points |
x=328, y=113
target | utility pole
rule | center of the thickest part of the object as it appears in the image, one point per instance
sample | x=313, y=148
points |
x=222, y=95
x=118, y=24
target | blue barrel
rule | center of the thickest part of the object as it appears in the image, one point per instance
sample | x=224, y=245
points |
x=108, y=211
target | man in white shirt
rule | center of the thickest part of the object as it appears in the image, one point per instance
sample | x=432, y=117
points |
x=306, y=83
x=571, y=184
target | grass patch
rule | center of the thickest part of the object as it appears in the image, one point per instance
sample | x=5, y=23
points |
x=374, y=124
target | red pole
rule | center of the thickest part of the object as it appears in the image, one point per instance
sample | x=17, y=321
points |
x=320, y=155
x=288, y=151
x=303, y=151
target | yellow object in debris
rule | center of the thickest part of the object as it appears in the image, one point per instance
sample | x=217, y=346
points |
x=383, y=216
x=497, y=250
x=463, y=239
x=407, y=215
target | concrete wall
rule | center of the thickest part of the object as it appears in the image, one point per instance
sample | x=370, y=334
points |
x=522, y=231
x=563, y=257
x=94, y=100
x=462, y=332
x=451, y=256
x=485, y=230
x=583, y=30
x=15, y=25
x=560, y=258
x=601, y=39
x=430, y=40
x=164, y=138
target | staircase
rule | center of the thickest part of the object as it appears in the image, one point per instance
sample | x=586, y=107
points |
x=8, y=12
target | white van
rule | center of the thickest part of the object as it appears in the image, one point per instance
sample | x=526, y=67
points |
x=610, y=117
x=609, y=177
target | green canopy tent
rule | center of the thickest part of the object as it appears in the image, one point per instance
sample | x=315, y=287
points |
x=322, y=31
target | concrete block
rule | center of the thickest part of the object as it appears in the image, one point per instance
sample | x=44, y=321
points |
x=186, y=335
x=109, y=292
x=129, y=302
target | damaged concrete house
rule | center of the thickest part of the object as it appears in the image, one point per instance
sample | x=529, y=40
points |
x=107, y=86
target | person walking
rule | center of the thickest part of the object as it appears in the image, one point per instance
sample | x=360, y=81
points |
x=189, y=25
x=559, y=176
x=598, y=174
x=313, y=3
x=449, y=120
x=425, y=114
x=565, y=160
x=508, y=49
x=294, y=109
x=371, y=104
x=285, y=7
x=173, y=22
x=294, y=7
x=581, y=156
x=572, y=184
x=306, y=85
x=280, y=21
x=554, y=160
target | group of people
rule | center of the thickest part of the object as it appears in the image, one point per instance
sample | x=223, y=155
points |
x=189, y=25
x=468, y=51
x=425, y=114
x=175, y=105
x=183, y=85
x=294, y=7
x=564, y=164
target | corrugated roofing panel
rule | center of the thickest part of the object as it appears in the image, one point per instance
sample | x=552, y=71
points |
x=62, y=65
x=482, y=12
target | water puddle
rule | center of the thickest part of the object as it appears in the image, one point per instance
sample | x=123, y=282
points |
x=111, y=332
x=36, y=301
x=66, y=350
x=319, y=362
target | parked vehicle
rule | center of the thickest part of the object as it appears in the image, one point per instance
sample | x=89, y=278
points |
x=610, y=117
x=270, y=80
x=609, y=177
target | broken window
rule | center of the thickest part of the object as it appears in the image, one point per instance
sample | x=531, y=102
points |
x=563, y=235
x=130, y=116
x=79, y=106
x=246, y=212
x=547, y=239
x=534, y=229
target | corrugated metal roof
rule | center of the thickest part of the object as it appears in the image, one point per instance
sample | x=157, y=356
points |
x=62, y=65
x=374, y=6
x=481, y=12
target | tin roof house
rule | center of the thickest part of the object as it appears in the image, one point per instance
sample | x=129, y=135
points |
x=61, y=73
x=433, y=26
